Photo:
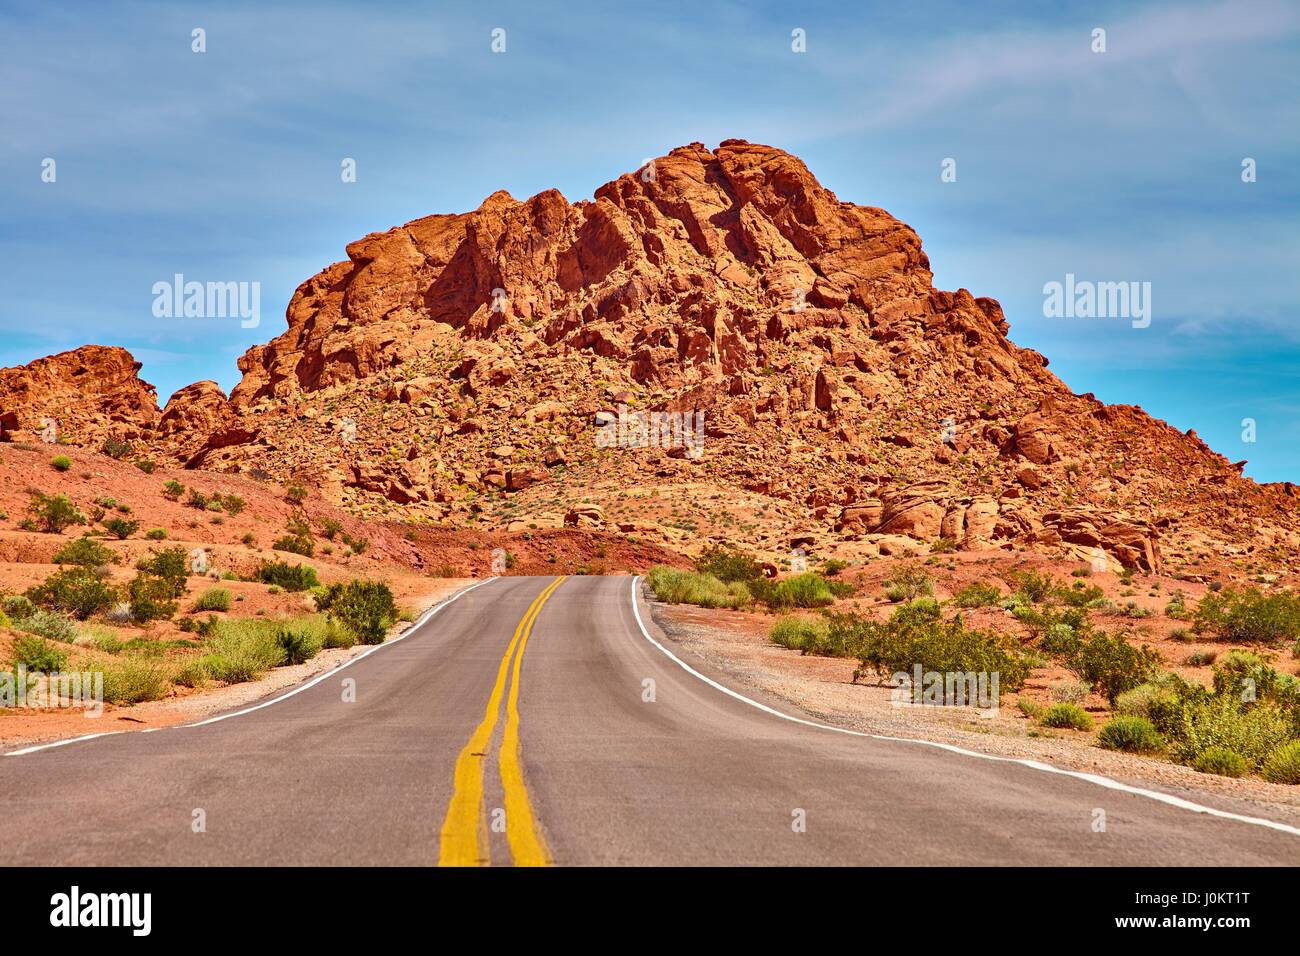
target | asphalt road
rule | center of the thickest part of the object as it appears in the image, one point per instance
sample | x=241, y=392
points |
x=532, y=721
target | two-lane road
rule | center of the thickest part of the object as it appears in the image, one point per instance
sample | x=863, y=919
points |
x=539, y=720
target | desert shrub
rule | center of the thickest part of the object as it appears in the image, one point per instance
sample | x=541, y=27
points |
x=213, y=599
x=1221, y=762
x=170, y=564
x=145, y=465
x=53, y=513
x=191, y=674
x=1249, y=616
x=61, y=462
x=289, y=577
x=134, y=681
x=809, y=589
x=908, y=583
x=917, y=634
x=197, y=499
x=329, y=527
x=56, y=627
x=674, y=586
x=833, y=566
x=115, y=448
x=339, y=637
x=156, y=534
x=366, y=608
x=1137, y=701
x=1135, y=735
x=298, y=540
x=728, y=564
x=1030, y=708
x=233, y=504
x=1249, y=677
x=38, y=654
x=943, y=546
x=801, y=633
x=1112, y=665
x=1201, y=658
x=151, y=598
x=121, y=528
x=85, y=552
x=1253, y=732
x=173, y=490
x=17, y=606
x=78, y=591
x=1283, y=764
x=299, y=645
x=978, y=594
x=1177, y=607
x=1034, y=587
x=1069, y=692
x=1070, y=716
x=358, y=545
x=295, y=494
x=1080, y=596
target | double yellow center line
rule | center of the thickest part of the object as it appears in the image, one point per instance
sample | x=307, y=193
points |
x=464, y=835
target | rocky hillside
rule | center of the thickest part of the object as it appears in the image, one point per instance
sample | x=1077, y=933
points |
x=463, y=367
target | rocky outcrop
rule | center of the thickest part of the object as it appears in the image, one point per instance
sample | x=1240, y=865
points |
x=82, y=397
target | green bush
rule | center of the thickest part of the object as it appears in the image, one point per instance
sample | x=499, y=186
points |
x=115, y=448
x=1221, y=762
x=1134, y=735
x=908, y=583
x=151, y=598
x=1201, y=658
x=1249, y=677
x=801, y=633
x=1249, y=617
x=298, y=540
x=53, y=513
x=675, y=586
x=1283, y=764
x=38, y=654
x=290, y=577
x=16, y=606
x=366, y=608
x=979, y=594
x=156, y=534
x=1137, y=701
x=85, y=552
x=56, y=627
x=134, y=681
x=1112, y=665
x=78, y=591
x=213, y=599
x=1066, y=715
x=197, y=499
x=728, y=564
x=1034, y=586
x=917, y=634
x=61, y=462
x=173, y=489
x=233, y=504
x=170, y=564
x=145, y=465
x=296, y=493
x=1253, y=732
x=806, y=590
x=833, y=566
x=299, y=646
x=121, y=528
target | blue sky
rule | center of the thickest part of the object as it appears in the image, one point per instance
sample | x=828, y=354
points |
x=1122, y=166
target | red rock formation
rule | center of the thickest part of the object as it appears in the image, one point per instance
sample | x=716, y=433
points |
x=91, y=394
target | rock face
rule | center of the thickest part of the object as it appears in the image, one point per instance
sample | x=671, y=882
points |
x=715, y=320
x=83, y=397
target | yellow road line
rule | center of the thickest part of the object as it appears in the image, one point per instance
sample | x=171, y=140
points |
x=527, y=846
x=463, y=838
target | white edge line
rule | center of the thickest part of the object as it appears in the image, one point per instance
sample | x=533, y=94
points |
x=1032, y=764
x=419, y=623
